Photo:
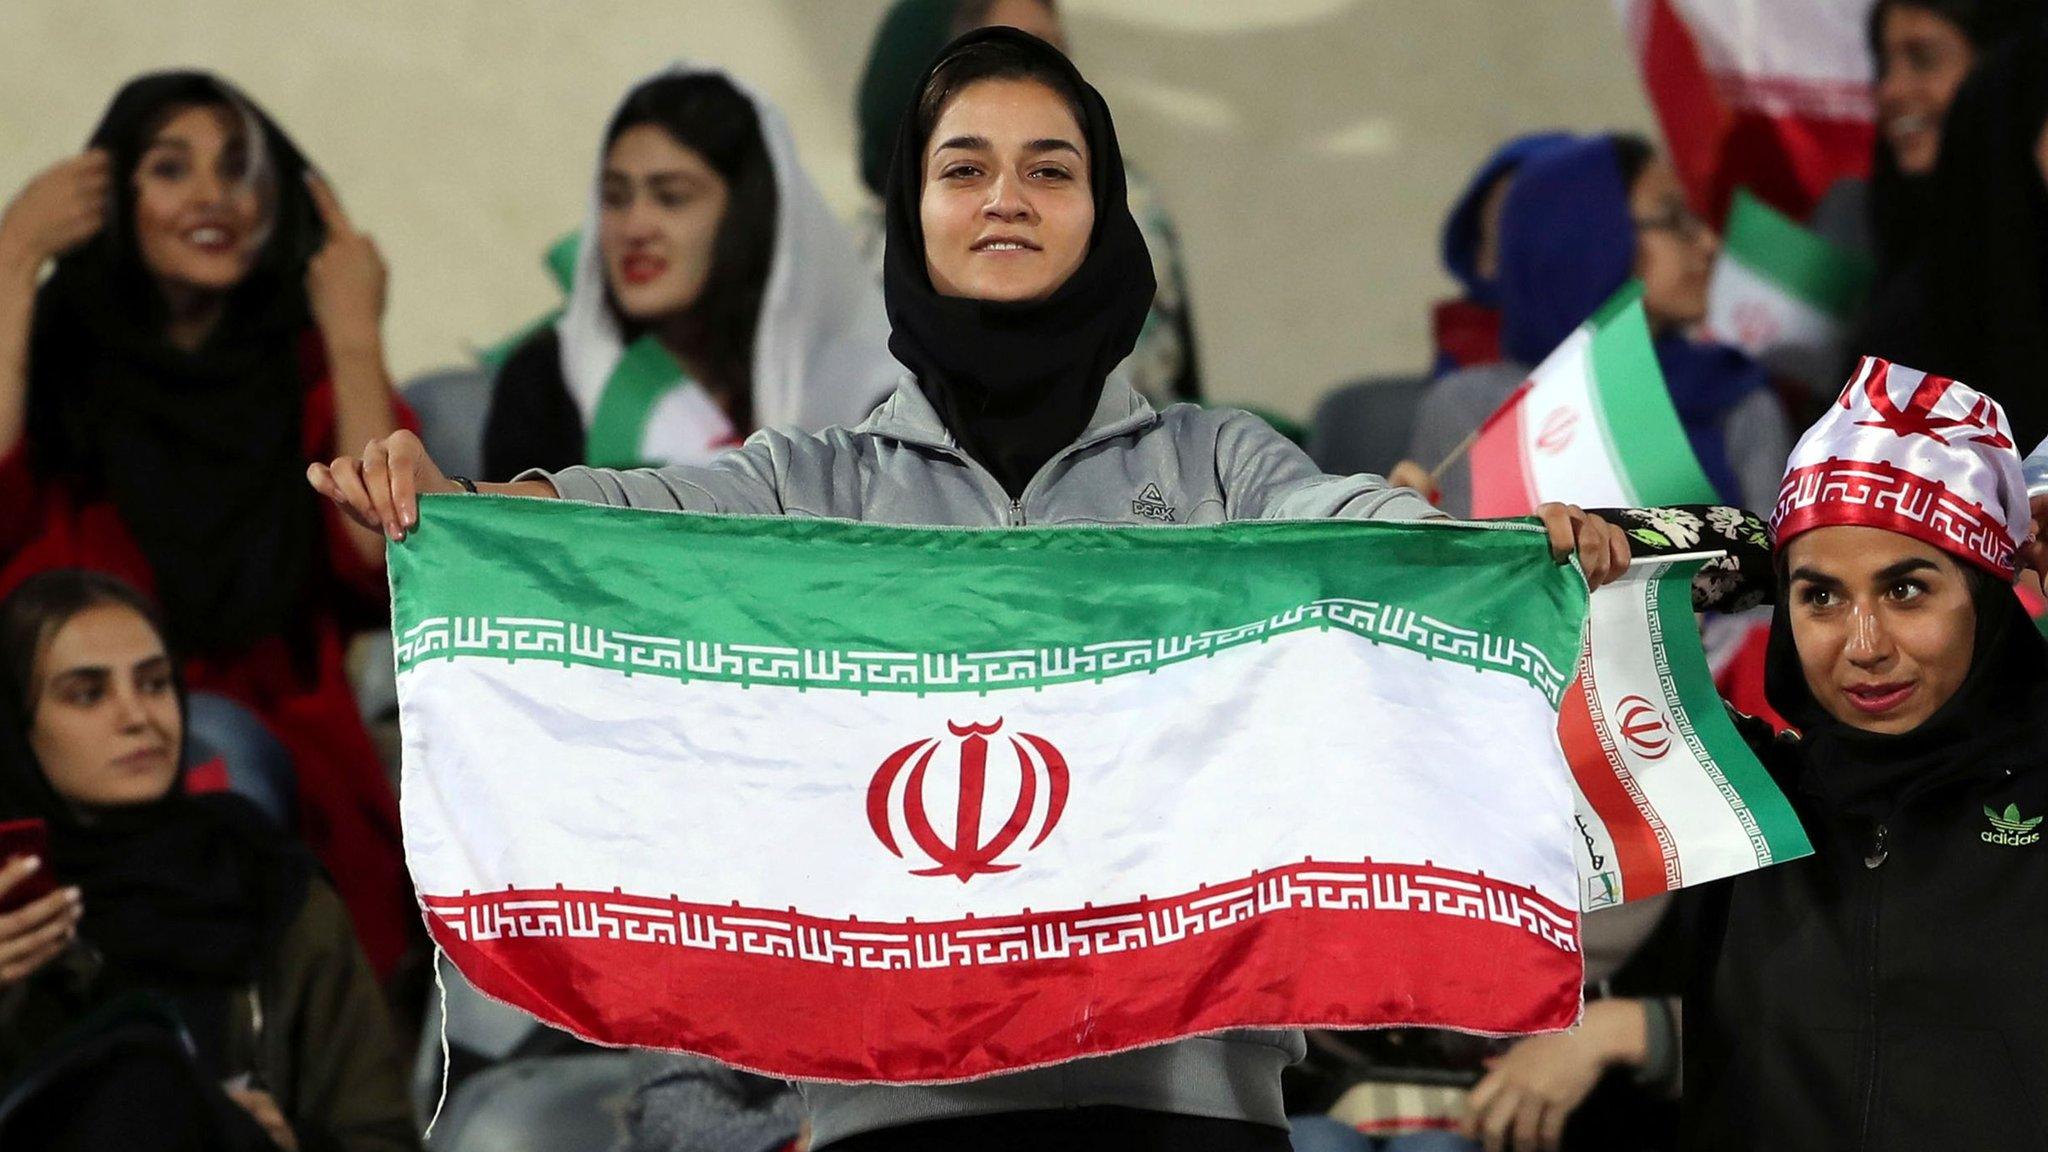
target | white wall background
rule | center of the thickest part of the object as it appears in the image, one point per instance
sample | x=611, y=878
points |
x=1308, y=148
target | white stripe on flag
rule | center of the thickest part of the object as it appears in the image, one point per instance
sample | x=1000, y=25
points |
x=1565, y=439
x=1662, y=755
x=1276, y=781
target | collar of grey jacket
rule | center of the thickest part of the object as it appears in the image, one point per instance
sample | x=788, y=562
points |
x=909, y=417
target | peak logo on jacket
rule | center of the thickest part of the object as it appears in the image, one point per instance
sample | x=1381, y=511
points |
x=2007, y=827
x=1152, y=505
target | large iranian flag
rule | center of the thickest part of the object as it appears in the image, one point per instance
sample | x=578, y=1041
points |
x=839, y=801
x=1783, y=294
x=1593, y=425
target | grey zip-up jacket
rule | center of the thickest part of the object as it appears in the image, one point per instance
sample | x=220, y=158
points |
x=1132, y=465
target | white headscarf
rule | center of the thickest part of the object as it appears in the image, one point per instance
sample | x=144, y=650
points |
x=821, y=343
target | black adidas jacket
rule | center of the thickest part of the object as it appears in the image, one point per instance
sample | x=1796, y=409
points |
x=1889, y=992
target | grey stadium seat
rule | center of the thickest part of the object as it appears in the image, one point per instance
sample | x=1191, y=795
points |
x=1364, y=426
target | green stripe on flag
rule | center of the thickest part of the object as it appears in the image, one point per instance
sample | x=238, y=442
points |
x=1642, y=429
x=1702, y=721
x=1831, y=279
x=644, y=374
x=795, y=602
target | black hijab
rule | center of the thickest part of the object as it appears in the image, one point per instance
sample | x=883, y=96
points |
x=1904, y=209
x=1015, y=383
x=184, y=891
x=1993, y=721
x=1899, y=203
x=1988, y=238
x=201, y=452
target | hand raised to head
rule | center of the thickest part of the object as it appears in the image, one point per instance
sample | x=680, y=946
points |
x=346, y=280
x=61, y=208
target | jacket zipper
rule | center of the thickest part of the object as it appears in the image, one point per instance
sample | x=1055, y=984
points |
x=1015, y=518
x=1872, y=862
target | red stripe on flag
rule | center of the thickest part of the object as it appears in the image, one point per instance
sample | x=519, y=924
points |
x=1688, y=104
x=1789, y=162
x=1740, y=678
x=1637, y=844
x=1308, y=945
x=1501, y=483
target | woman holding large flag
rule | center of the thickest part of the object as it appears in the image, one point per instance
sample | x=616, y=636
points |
x=1016, y=279
x=1886, y=992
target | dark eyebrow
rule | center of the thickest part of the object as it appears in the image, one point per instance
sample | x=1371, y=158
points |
x=1893, y=572
x=1906, y=568
x=969, y=142
x=1053, y=144
x=674, y=176
x=654, y=177
x=170, y=142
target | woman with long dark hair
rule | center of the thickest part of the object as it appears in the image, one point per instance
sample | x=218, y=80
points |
x=1016, y=282
x=212, y=322
x=714, y=294
x=198, y=905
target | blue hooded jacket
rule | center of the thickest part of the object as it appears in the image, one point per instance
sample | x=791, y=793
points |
x=1461, y=227
x=1567, y=244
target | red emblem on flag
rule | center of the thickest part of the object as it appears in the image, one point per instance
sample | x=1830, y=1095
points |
x=1756, y=326
x=1556, y=434
x=1645, y=728
x=972, y=848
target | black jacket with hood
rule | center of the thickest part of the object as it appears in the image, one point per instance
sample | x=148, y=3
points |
x=1890, y=991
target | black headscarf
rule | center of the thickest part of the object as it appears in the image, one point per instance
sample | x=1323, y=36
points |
x=1899, y=202
x=181, y=891
x=1015, y=383
x=200, y=451
x=1993, y=721
x=1988, y=236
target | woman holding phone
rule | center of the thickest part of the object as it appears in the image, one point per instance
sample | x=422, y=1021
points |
x=196, y=904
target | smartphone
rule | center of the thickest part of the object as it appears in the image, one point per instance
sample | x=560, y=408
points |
x=26, y=838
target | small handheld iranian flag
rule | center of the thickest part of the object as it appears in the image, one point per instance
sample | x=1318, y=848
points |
x=848, y=802
x=1593, y=425
x=1783, y=294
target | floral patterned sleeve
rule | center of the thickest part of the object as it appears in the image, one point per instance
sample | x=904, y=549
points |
x=1735, y=582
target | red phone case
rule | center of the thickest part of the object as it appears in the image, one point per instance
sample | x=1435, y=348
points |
x=26, y=838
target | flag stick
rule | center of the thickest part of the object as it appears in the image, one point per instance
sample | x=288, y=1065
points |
x=1436, y=474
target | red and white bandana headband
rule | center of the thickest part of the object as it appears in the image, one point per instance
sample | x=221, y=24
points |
x=1924, y=456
